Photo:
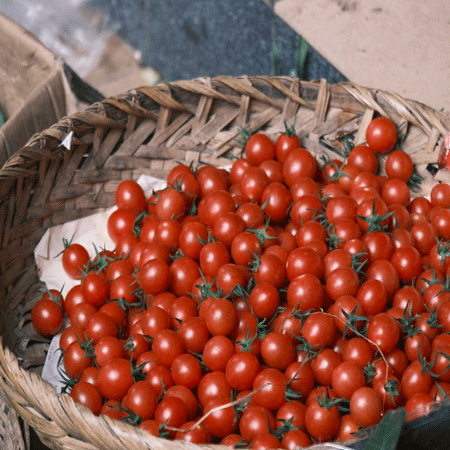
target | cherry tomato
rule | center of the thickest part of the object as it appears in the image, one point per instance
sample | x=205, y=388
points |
x=363, y=157
x=47, y=317
x=258, y=148
x=115, y=378
x=322, y=422
x=130, y=195
x=366, y=406
x=399, y=165
x=88, y=395
x=381, y=135
x=284, y=143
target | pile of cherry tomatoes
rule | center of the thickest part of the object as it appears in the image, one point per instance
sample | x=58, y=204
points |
x=284, y=302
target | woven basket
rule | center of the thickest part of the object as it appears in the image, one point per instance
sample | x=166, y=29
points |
x=147, y=131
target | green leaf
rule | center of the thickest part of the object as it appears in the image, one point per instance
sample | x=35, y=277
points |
x=388, y=431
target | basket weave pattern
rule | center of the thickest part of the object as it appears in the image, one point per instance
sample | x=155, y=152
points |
x=147, y=131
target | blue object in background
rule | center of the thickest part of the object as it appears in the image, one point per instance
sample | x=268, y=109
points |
x=185, y=39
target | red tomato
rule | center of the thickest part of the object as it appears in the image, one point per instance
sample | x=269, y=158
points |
x=276, y=199
x=346, y=378
x=160, y=378
x=399, y=165
x=440, y=195
x=255, y=421
x=100, y=324
x=284, y=143
x=119, y=222
x=415, y=380
x=130, y=195
x=303, y=260
x=372, y=296
x=277, y=350
x=88, y=395
x=223, y=420
x=76, y=360
x=395, y=191
x=408, y=263
x=381, y=135
x=299, y=163
x=183, y=273
x=171, y=412
x=217, y=351
x=213, y=385
x=108, y=347
x=384, y=331
x=47, y=317
x=300, y=377
x=342, y=281
x=115, y=378
x=95, y=288
x=244, y=246
x=269, y=387
x=141, y=399
x=211, y=179
x=322, y=422
x=186, y=370
x=264, y=300
x=166, y=346
x=366, y=406
x=74, y=259
x=253, y=183
x=363, y=157
x=258, y=148
x=319, y=330
x=305, y=292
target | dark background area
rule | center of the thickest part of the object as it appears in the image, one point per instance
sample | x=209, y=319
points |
x=185, y=39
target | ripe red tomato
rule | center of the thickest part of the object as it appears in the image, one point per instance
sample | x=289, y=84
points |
x=99, y=325
x=171, y=412
x=269, y=387
x=276, y=199
x=322, y=422
x=299, y=163
x=130, y=195
x=74, y=260
x=284, y=143
x=384, y=331
x=47, y=317
x=399, y=165
x=366, y=406
x=76, y=360
x=88, y=395
x=363, y=157
x=277, y=350
x=255, y=421
x=119, y=222
x=141, y=399
x=258, y=148
x=95, y=288
x=186, y=370
x=319, y=330
x=415, y=380
x=381, y=135
x=223, y=420
x=346, y=378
